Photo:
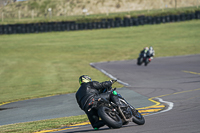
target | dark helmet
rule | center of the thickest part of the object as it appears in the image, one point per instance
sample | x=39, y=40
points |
x=84, y=79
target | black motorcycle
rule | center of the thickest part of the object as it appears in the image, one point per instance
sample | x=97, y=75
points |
x=115, y=116
x=143, y=58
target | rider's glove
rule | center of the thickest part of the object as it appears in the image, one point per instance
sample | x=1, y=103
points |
x=113, y=81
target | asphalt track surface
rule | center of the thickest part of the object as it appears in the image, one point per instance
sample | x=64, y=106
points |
x=174, y=80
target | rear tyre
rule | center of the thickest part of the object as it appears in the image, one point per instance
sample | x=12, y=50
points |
x=146, y=61
x=109, y=117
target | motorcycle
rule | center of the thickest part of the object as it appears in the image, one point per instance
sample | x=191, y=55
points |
x=115, y=116
x=143, y=58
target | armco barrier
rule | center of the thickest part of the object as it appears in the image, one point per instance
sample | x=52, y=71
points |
x=103, y=24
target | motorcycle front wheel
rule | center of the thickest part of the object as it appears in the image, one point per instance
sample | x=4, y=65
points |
x=139, y=61
x=109, y=117
x=138, y=118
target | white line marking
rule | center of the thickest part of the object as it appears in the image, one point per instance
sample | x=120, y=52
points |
x=170, y=104
x=109, y=75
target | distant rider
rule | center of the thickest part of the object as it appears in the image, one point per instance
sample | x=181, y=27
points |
x=91, y=89
x=150, y=53
x=144, y=51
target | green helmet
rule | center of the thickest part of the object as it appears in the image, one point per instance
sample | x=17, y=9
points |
x=84, y=79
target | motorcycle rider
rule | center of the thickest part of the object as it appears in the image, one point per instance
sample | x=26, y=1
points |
x=151, y=53
x=93, y=89
x=144, y=51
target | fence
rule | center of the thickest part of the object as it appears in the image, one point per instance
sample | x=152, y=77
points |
x=103, y=24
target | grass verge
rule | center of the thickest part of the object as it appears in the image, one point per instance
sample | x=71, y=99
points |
x=34, y=126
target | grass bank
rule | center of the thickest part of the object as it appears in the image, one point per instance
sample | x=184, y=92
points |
x=37, y=65
x=35, y=126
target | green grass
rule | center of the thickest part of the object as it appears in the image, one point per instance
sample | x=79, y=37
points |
x=34, y=126
x=37, y=65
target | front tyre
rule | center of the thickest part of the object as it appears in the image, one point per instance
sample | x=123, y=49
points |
x=109, y=117
x=138, y=118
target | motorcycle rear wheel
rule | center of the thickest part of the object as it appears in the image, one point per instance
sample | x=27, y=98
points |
x=109, y=117
x=146, y=61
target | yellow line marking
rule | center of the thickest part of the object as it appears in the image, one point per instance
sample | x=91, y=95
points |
x=146, y=114
x=150, y=99
x=150, y=110
x=70, y=127
x=177, y=93
x=53, y=130
x=186, y=91
x=80, y=124
x=158, y=106
x=191, y=72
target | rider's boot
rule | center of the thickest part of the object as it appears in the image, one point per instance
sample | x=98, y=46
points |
x=98, y=124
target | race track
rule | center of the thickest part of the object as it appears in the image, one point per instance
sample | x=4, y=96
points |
x=173, y=79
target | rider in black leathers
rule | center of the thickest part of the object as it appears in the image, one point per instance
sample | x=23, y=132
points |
x=91, y=89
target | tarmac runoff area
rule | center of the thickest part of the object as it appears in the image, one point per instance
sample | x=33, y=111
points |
x=64, y=106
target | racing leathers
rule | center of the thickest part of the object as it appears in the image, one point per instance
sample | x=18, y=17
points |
x=151, y=53
x=87, y=92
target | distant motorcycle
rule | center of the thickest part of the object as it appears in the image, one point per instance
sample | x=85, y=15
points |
x=143, y=58
x=113, y=115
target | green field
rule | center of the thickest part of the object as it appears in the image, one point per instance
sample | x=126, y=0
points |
x=37, y=65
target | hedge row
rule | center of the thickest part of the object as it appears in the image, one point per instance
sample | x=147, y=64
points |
x=103, y=24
